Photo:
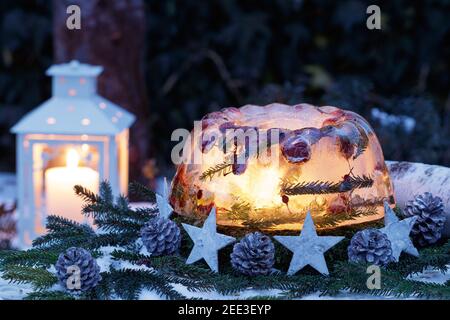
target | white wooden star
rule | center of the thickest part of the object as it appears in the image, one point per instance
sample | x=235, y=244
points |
x=162, y=201
x=398, y=233
x=308, y=248
x=207, y=242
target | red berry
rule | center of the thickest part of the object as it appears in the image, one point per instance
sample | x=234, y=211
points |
x=285, y=199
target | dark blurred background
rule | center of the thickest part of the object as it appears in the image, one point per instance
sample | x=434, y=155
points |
x=199, y=56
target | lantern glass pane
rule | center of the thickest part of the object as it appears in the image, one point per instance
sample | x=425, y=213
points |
x=57, y=168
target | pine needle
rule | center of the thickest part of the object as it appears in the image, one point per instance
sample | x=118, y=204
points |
x=363, y=141
x=142, y=191
x=223, y=169
x=325, y=187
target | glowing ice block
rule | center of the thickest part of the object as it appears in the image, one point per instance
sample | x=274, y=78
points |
x=265, y=167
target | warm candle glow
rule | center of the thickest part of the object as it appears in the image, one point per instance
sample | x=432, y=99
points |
x=59, y=182
x=72, y=158
x=324, y=160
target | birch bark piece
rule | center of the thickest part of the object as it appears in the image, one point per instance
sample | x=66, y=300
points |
x=412, y=179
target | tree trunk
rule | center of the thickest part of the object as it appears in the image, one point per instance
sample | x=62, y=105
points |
x=411, y=179
x=112, y=34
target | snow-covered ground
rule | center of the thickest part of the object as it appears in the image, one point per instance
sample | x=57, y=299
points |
x=10, y=291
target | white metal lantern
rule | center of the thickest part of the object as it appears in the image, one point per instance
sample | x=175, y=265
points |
x=75, y=137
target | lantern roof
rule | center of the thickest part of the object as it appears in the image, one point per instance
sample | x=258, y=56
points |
x=74, y=68
x=75, y=107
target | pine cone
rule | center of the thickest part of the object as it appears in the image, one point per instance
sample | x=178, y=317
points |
x=161, y=236
x=431, y=218
x=72, y=261
x=253, y=255
x=370, y=246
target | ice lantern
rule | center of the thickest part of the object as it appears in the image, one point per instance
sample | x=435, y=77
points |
x=319, y=159
x=75, y=137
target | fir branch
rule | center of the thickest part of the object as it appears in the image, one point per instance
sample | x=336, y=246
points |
x=122, y=203
x=307, y=283
x=353, y=277
x=60, y=243
x=363, y=141
x=143, y=214
x=101, y=211
x=176, y=266
x=58, y=224
x=105, y=192
x=63, y=233
x=40, y=278
x=128, y=283
x=360, y=182
x=265, y=298
x=437, y=257
x=142, y=191
x=86, y=194
x=29, y=258
x=193, y=277
x=174, y=269
x=117, y=217
x=315, y=187
x=223, y=169
x=102, y=291
x=113, y=224
x=239, y=210
x=325, y=187
x=133, y=257
x=332, y=220
x=113, y=239
x=49, y=295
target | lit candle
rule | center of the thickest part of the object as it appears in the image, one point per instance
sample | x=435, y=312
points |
x=59, y=182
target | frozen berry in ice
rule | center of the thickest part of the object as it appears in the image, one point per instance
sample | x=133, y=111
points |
x=296, y=149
